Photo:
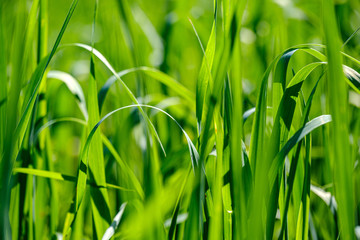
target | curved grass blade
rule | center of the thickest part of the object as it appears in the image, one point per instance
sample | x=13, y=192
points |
x=81, y=182
x=296, y=138
x=152, y=72
x=114, y=225
x=326, y=197
x=125, y=168
x=128, y=91
x=106, y=142
x=74, y=88
x=294, y=162
x=353, y=78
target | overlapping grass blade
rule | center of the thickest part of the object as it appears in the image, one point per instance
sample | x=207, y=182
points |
x=152, y=72
x=127, y=89
x=74, y=88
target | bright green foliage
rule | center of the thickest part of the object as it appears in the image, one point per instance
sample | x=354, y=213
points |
x=164, y=119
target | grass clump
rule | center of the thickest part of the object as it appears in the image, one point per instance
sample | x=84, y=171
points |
x=179, y=120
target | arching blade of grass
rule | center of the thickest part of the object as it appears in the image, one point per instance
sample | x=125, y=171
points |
x=298, y=136
x=127, y=89
x=81, y=181
x=340, y=147
x=74, y=88
x=152, y=72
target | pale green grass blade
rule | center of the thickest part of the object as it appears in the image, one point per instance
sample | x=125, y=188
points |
x=294, y=162
x=19, y=57
x=204, y=78
x=3, y=81
x=340, y=146
x=114, y=225
x=73, y=86
x=238, y=185
x=353, y=78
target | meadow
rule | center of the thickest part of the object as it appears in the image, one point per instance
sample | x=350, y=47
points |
x=176, y=119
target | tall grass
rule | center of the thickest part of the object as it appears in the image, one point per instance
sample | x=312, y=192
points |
x=179, y=119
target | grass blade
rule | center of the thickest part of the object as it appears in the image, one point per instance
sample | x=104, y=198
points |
x=340, y=146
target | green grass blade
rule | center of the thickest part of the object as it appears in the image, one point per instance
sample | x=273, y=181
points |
x=114, y=225
x=296, y=138
x=340, y=146
x=151, y=72
x=62, y=177
x=73, y=86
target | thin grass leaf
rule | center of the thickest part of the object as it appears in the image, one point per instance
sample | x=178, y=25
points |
x=114, y=225
x=152, y=72
x=74, y=88
x=299, y=135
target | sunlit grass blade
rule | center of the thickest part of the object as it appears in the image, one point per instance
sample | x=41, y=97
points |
x=127, y=89
x=152, y=72
x=299, y=135
x=114, y=225
x=294, y=163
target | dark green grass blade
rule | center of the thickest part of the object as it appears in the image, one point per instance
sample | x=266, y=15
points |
x=127, y=89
